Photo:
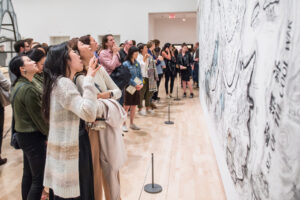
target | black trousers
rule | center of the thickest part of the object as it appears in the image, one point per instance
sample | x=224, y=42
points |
x=33, y=146
x=169, y=76
x=155, y=95
x=86, y=176
x=1, y=126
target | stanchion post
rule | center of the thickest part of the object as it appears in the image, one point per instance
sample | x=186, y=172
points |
x=152, y=188
x=169, y=122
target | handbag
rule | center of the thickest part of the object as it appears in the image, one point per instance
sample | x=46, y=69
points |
x=13, y=140
x=4, y=91
x=4, y=97
x=121, y=76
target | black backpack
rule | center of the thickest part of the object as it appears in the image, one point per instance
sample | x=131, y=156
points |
x=121, y=76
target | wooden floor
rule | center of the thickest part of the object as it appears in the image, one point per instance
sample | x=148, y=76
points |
x=185, y=164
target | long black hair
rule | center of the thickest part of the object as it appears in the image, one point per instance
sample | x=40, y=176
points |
x=14, y=66
x=141, y=47
x=131, y=51
x=55, y=66
x=36, y=54
x=167, y=45
x=85, y=39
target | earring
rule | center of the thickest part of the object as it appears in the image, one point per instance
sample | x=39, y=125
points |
x=25, y=72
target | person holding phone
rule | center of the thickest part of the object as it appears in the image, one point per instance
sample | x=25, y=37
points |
x=63, y=106
x=185, y=62
x=106, y=89
x=132, y=97
x=170, y=68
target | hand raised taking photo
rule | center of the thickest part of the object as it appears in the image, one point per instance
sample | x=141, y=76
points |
x=93, y=67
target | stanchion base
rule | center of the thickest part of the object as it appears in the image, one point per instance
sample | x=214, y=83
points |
x=156, y=189
x=177, y=99
x=169, y=122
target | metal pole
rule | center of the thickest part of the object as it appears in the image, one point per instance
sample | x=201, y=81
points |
x=169, y=122
x=152, y=171
x=169, y=112
x=153, y=188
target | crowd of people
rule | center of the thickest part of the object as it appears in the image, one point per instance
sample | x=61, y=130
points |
x=70, y=103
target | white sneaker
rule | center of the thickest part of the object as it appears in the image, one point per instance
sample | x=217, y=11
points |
x=150, y=112
x=124, y=128
x=134, y=127
x=142, y=113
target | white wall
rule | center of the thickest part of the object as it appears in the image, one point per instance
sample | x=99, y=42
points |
x=128, y=18
x=249, y=86
x=175, y=30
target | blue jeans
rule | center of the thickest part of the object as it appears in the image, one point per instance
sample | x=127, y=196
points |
x=121, y=100
x=196, y=72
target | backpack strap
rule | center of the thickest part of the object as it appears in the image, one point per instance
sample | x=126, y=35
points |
x=13, y=98
x=78, y=74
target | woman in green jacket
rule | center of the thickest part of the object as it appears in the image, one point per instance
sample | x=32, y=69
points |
x=39, y=56
x=31, y=130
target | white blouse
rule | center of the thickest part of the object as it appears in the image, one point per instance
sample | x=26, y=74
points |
x=144, y=65
x=106, y=84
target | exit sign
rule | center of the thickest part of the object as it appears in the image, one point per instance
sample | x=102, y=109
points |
x=172, y=16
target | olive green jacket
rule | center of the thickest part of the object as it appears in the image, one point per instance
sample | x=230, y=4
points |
x=38, y=81
x=27, y=108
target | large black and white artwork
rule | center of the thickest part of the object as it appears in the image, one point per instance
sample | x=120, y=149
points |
x=250, y=85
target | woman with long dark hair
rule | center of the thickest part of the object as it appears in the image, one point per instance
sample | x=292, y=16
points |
x=185, y=61
x=31, y=130
x=160, y=65
x=143, y=59
x=170, y=70
x=63, y=106
x=132, y=99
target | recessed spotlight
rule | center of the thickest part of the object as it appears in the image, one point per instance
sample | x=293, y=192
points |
x=183, y=19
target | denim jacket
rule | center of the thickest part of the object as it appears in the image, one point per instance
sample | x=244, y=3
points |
x=135, y=71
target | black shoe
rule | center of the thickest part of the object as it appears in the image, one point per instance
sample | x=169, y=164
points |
x=192, y=95
x=3, y=161
x=184, y=95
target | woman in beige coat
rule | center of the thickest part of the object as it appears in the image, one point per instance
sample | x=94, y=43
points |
x=106, y=89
